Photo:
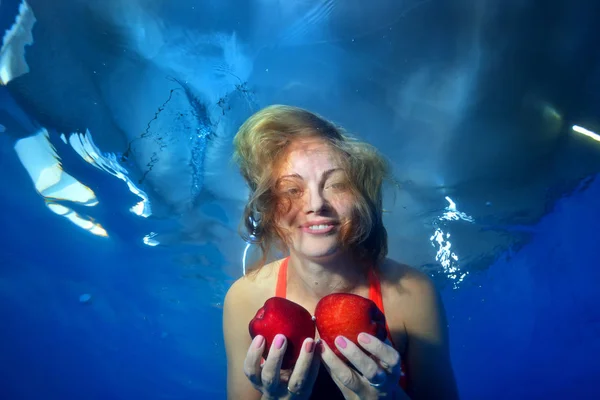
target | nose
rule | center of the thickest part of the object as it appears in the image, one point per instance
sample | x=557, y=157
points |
x=314, y=201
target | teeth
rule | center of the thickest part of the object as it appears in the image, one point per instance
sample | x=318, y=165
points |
x=316, y=227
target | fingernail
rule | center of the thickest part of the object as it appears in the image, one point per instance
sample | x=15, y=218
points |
x=341, y=342
x=279, y=339
x=319, y=346
x=309, y=346
x=365, y=338
x=258, y=341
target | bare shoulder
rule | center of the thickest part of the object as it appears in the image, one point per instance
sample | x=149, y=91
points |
x=406, y=281
x=418, y=323
x=414, y=297
x=252, y=290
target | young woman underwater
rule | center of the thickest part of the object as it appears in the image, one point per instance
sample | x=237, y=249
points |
x=316, y=194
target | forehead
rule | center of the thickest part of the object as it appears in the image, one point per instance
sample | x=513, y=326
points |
x=308, y=155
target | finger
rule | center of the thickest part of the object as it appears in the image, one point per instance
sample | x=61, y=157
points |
x=361, y=361
x=388, y=356
x=253, y=360
x=341, y=373
x=314, y=367
x=302, y=379
x=272, y=366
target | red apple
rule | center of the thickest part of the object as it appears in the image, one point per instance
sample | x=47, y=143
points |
x=348, y=315
x=279, y=315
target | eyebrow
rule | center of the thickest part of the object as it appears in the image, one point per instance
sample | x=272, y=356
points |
x=326, y=175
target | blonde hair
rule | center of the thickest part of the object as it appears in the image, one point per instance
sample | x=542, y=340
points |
x=259, y=146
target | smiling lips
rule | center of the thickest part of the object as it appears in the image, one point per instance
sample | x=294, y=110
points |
x=318, y=227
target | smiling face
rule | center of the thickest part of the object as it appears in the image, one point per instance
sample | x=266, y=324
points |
x=314, y=199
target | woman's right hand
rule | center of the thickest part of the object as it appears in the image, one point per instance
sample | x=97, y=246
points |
x=274, y=383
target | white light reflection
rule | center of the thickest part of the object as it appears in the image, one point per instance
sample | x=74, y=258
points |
x=12, y=52
x=586, y=132
x=441, y=240
x=39, y=158
x=150, y=241
x=452, y=214
x=244, y=257
x=84, y=145
x=83, y=222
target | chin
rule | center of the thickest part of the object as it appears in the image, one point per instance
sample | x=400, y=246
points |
x=319, y=249
x=320, y=254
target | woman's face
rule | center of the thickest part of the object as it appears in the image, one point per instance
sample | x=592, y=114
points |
x=319, y=198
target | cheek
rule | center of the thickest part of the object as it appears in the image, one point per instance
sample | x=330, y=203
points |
x=287, y=210
x=344, y=204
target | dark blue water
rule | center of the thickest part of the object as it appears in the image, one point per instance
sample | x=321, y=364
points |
x=529, y=327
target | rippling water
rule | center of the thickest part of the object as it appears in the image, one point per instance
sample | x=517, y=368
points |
x=155, y=103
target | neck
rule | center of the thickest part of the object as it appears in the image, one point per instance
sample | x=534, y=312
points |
x=314, y=279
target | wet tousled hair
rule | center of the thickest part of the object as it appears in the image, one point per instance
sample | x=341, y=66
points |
x=260, y=146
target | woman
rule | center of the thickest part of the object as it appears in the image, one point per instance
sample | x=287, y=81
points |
x=316, y=195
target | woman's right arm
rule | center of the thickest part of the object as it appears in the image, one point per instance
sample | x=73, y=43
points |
x=237, y=341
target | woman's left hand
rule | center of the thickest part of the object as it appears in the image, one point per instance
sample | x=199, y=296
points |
x=379, y=368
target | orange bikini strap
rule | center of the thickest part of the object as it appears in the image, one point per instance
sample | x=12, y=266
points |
x=375, y=289
x=377, y=298
x=281, y=286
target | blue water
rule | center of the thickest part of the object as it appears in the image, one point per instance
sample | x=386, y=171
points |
x=139, y=101
x=528, y=327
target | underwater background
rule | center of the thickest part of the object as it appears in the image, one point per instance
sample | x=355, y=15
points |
x=120, y=206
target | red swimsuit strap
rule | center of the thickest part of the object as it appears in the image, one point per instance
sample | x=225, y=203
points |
x=377, y=298
x=281, y=286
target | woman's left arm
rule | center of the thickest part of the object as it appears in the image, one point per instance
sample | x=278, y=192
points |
x=427, y=356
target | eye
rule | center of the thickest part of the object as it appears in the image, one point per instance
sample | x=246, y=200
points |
x=290, y=190
x=294, y=191
x=338, y=186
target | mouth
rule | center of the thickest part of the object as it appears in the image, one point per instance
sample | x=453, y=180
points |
x=318, y=228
